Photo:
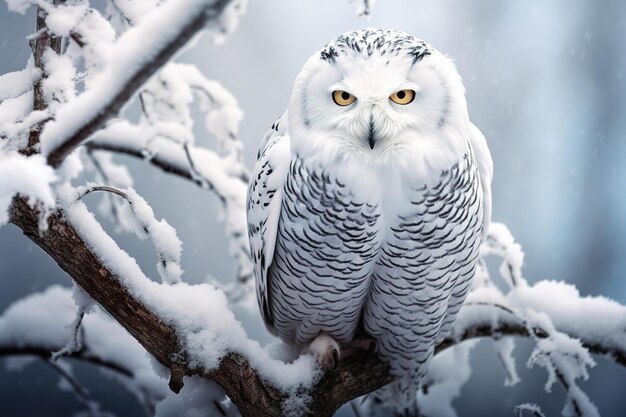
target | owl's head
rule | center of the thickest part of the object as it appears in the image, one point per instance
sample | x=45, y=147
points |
x=377, y=96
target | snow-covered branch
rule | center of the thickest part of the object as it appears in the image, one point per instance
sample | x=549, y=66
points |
x=144, y=224
x=42, y=323
x=225, y=176
x=133, y=58
x=193, y=341
x=43, y=43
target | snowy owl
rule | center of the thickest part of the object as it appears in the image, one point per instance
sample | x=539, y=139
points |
x=368, y=203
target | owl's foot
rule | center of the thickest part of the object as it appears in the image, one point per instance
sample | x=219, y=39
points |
x=325, y=350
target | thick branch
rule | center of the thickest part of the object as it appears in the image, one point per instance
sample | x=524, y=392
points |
x=109, y=106
x=356, y=375
x=65, y=246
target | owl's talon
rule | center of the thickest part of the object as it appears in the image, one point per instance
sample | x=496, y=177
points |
x=325, y=350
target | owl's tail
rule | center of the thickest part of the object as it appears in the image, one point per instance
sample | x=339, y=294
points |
x=397, y=399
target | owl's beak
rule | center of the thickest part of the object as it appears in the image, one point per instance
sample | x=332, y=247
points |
x=371, y=133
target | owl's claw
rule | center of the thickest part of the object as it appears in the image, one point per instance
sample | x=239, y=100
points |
x=325, y=350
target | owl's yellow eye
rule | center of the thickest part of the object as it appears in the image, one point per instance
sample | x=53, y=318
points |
x=403, y=96
x=343, y=98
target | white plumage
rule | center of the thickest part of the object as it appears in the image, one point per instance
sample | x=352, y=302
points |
x=369, y=202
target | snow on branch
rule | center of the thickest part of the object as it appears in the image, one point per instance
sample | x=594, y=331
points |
x=565, y=326
x=145, y=225
x=39, y=324
x=14, y=84
x=533, y=409
x=225, y=175
x=71, y=106
x=18, y=115
x=29, y=177
x=165, y=137
x=190, y=330
x=131, y=60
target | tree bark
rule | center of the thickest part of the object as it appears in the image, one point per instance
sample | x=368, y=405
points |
x=356, y=375
x=44, y=41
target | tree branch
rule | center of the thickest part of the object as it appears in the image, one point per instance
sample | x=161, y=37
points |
x=46, y=354
x=227, y=183
x=63, y=243
x=81, y=392
x=137, y=73
x=40, y=44
x=355, y=376
x=162, y=162
x=83, y=355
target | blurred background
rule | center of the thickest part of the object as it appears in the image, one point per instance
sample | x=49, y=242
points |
x=546, y=83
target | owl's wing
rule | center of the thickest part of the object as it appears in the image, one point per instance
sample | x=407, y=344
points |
x=265, y=194
x=485, y=168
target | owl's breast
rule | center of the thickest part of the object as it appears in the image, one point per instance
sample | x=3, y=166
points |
x=326, y=247
x=425, y=265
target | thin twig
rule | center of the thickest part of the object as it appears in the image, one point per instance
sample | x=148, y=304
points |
x=81, y=392
x=84, y=355
x=76, y=341
x=105, y=178
x=104, y=188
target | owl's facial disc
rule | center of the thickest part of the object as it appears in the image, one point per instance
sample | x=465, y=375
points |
x=377, y=96
x=344, y=99
x=366, y=106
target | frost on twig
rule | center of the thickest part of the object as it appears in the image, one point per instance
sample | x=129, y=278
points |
x=142, y=222
x=565, y=360
x=533, y=409
x=500, y=242
x=504, y=349
x=84, y=305
x=165, y=137
x=75, y=342
x=106, y=171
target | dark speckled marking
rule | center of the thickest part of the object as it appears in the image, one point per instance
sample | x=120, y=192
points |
x=382, y=42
